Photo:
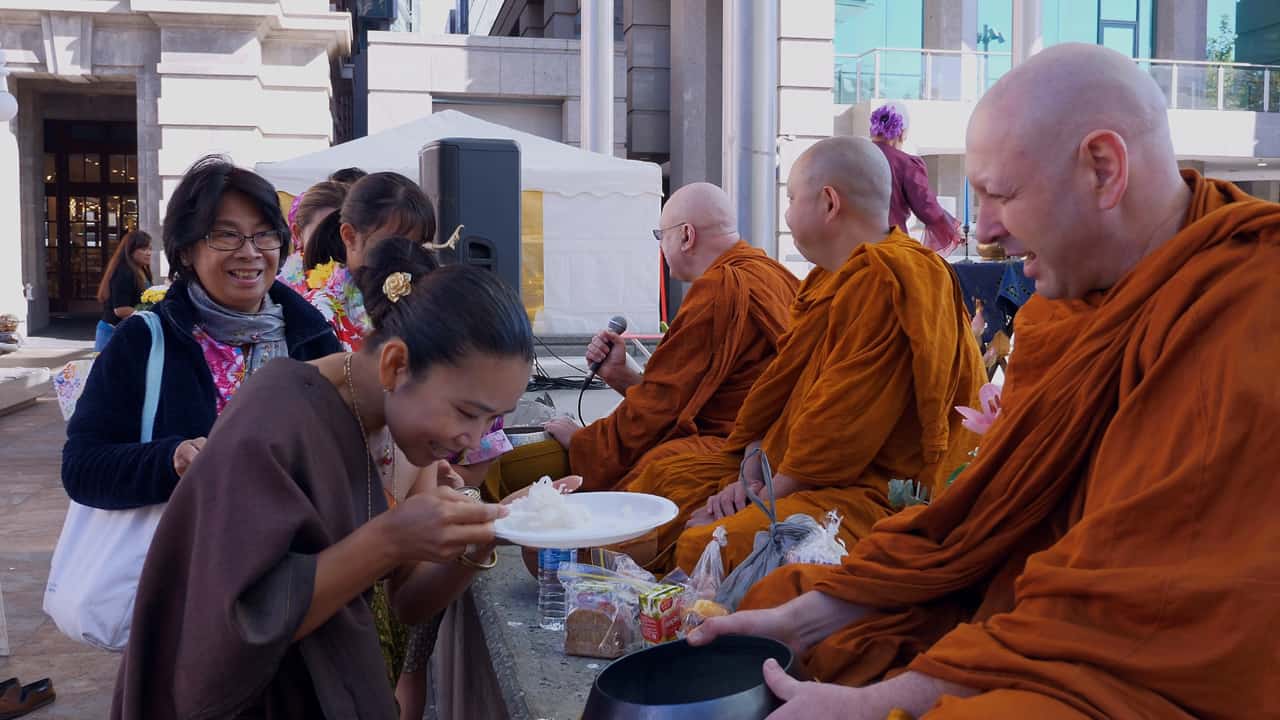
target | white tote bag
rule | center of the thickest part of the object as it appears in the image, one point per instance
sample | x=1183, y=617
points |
x=93, y=577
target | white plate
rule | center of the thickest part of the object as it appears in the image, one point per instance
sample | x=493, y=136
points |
x=610, y=523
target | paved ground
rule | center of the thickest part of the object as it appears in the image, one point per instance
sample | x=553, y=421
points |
x=32, y=507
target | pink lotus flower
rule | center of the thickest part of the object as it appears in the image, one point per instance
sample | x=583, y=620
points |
x=980, y=420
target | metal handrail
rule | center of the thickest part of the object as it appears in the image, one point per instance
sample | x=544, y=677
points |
x=1207, y=63
x=937, y=51
x=984, y=57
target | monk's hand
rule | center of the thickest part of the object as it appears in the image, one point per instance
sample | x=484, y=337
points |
x=562, y=429
x=610, y=350
x=727, y=502
x=771, y=623
x=806, y=700
x=436, y=523
x=186, y=453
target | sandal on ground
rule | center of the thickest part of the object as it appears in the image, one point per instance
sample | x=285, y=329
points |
x=18, y=700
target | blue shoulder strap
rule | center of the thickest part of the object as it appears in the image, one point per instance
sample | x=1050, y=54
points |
x=155, y=373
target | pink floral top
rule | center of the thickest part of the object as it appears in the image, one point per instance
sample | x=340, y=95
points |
x=226, y=364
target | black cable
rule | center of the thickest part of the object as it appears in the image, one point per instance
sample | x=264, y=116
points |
x=581, y=392
x=542, y=380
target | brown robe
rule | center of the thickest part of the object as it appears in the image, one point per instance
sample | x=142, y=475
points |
x=230, y=573
x=861, y=392
x=1112, y=553
x=724, y=336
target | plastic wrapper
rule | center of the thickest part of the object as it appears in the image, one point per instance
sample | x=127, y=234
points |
x=602, y=617
x=709, y=572
x=822, y=547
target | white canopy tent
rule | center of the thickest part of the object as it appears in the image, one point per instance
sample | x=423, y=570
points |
x=599, y=258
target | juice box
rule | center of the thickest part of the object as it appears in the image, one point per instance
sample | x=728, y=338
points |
x=660, y=611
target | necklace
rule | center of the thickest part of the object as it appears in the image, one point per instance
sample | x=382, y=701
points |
x=368, y=455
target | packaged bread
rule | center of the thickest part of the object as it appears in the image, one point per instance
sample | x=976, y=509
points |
x=599, y=622
x=700, y=610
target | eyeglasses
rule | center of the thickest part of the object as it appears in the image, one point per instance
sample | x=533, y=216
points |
x=659, y=232
x=230, y=240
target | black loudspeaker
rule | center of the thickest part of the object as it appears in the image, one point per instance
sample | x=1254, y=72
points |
x=475, y=183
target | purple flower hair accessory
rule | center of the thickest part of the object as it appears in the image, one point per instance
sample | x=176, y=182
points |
x=887, y=123
x=293, y=208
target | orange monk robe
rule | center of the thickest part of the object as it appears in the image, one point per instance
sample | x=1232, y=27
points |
x=862, y=391
x=725, y=335
x=1114, y=547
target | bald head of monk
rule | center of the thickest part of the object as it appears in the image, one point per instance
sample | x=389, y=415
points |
x=1074, y=170
x=697, y=225
x=838, y=193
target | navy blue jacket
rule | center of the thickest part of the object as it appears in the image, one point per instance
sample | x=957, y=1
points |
x=103, y=463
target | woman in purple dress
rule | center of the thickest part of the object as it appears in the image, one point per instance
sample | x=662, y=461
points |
x=911, y=193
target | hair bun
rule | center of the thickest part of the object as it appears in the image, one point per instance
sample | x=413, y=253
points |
x=391, y=267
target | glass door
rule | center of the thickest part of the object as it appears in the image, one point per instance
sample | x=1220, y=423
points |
x=91, y=176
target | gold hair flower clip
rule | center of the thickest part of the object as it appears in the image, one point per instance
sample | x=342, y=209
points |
x=397, y=285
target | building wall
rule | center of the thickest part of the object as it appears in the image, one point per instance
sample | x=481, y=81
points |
x=647, y=37
x=407, y=70
x=251, y=81
x=806, y=105
x=1258, y=32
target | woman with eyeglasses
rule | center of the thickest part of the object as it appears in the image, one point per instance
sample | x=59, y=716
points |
x=223, y=319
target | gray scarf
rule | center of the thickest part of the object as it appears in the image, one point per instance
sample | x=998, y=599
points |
x=262, y=331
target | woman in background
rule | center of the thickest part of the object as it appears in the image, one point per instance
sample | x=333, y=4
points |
x=127, y=275
x=310, y=210
x=911, y=192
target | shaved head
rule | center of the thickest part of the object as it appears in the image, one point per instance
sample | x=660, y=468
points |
x=1071, y=160
x=856, y=169
x=1061, y=94
x=698, y=224
x=704, y=206
x=838, y=194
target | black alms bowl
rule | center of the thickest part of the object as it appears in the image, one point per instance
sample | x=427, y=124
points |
x=720, y=681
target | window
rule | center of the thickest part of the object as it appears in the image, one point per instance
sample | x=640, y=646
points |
x=1118, y=26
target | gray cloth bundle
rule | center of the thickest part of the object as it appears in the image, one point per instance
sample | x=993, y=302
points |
x=769, y=551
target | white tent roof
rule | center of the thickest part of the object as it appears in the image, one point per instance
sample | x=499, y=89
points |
x=545, y=165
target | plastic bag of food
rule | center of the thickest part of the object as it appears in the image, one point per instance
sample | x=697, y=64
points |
x=620, y=563
x=602, y=610
x=823, y=547
x=709, y=572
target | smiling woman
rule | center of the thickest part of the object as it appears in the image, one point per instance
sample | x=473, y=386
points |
x=222, y=320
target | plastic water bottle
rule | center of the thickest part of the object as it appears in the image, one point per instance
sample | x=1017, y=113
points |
x=551, y=605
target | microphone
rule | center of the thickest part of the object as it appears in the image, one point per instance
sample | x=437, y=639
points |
x=617, y=324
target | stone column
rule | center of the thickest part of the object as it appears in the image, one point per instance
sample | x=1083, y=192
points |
x=150, y=191
x=1180, y=27
x=597, y=76
x=12, y=299
x=951, y=25
x=805, y=103
x=696, y=50
x=646, y=33
x=1028, y=29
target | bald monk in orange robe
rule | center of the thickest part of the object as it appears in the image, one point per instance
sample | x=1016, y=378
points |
x=862, y=390
x=723, y=337
x=1112, y=551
